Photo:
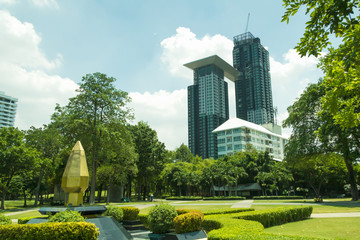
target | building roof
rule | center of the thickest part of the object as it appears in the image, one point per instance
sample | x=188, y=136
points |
x=229, y=72
x=233, y=123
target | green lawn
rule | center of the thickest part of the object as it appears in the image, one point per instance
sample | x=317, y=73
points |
x=331, y=228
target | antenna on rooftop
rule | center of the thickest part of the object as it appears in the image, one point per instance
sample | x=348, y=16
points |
x=247, y=23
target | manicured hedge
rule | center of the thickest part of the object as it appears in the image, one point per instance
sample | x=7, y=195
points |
x=276, y=216
x=130, y=213
x=4, y=219
x=184, y=198
x=26, y=219
x=144, y=219
x=228, y=211
x=230, y=227
x=224, y=198
x=277, y=197
x=115, y=212
x=49, y=231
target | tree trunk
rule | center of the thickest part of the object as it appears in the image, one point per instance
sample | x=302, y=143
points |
x=24, y=192
x=99, y=193
x=3, y=199
x=37, y=189
x=109, y=192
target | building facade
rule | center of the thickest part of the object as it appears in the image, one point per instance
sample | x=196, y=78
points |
x=253, y=87
x=208, y=105
x=235, y=134
x=7, y=110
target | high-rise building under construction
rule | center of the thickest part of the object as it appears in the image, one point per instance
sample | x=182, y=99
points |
x=253, y=86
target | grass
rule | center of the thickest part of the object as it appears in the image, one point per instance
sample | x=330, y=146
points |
x=27, y=214
x=331, y=228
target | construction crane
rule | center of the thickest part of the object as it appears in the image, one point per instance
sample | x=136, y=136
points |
x=247, y=23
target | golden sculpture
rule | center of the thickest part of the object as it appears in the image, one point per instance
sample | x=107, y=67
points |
x=75, y=179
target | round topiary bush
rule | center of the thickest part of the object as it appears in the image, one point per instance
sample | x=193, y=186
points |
x=115, y=212
x=4, y=220
x=67, y=216
x=188, y=222
x=161, y=218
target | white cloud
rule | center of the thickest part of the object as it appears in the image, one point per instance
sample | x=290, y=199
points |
x=184, y=47
x=166, y=112
x=45, y=3
x=290, y=77
x=23, y=73
x=19, y=44
x=7, y=1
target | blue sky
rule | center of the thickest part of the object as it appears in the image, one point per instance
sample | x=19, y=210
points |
x=46, y=46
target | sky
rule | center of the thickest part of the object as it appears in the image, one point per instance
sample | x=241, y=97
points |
x=46, y=46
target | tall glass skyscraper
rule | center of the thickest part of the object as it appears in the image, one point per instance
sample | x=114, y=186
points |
x=7, y=110
x=253, y=87
x=208, y=105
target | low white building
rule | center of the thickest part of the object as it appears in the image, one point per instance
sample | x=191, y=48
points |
x=234, y=134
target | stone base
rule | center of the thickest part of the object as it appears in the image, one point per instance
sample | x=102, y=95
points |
x=87, y=210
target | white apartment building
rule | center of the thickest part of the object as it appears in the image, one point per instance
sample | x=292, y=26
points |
x=234, y=134
x=7, y=110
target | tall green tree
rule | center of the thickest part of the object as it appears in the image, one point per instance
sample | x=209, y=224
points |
x=15, y=157
x=315, y=132
x=334, y=19
x=152, y=157
x=89, y=114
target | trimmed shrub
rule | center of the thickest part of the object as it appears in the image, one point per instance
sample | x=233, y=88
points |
x=161, y=218
x=276, y=216
x=67, y=216
x=228, y=211
x=192, y=198
x=224, y=198
x=4, y=220
x=115, y=212
x=183, y=211
x=26, y=219
x=130, y=213
x=276, y=197
x=188, y=222
x=49, y=231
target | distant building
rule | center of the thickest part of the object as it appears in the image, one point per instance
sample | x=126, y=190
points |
x=208, y=104
x=234, y=134
x=7, y=110
x=253, y=87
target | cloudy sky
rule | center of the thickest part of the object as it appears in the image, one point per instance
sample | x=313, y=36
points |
x=46, y=46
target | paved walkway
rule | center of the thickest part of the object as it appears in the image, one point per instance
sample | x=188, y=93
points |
x=243, y=204
x=335, y=215
x=21, y=212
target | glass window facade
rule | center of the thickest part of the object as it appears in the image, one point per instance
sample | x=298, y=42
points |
x=7, y=110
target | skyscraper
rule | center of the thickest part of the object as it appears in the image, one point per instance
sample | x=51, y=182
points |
x=253, y=87
x=208, y=104
x=7, y=110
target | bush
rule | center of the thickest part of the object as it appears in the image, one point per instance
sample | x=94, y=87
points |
x=277, y=197
x=188, y=222
x=130, y=213
x=161, y=218
x=49, y=231
x=183, y=211
x=192, y=198
x=4, y=219
x=67, y=216
x=228, y=211
x=276, y=216
x=115, y=212
x=26, y=219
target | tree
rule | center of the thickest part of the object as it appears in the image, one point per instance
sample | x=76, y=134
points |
x=88, y=115
x=15, y=157
x=151, y=156
x=184, y=154
x=339, y=19
x=315, y=133
x=48, y=142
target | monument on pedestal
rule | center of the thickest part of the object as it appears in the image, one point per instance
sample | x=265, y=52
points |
x=75, y=181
